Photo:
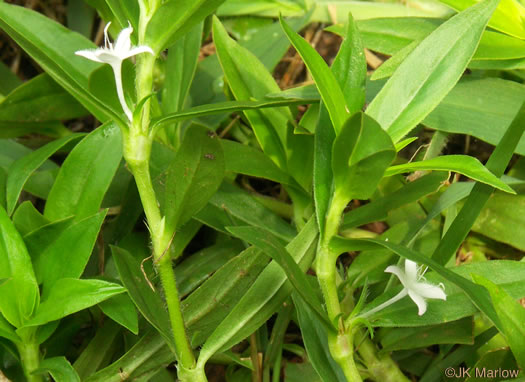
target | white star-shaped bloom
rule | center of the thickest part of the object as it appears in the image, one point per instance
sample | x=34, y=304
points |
x=419, y=291
x=114, y=54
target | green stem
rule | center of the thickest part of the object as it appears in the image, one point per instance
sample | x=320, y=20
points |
x=137, y=150
x=381, y=367
x=341, y=344
x=30, y=358
x=167, y=277
x=342, y=350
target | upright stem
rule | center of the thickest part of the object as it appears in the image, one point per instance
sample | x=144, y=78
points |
x=381, y=367
x=137, y=150
x=30, y=357
x=340, y=344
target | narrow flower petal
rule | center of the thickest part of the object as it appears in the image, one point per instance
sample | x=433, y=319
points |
x=137, y=50
x=419, y=300
x=90, y=54
x=411, y=270
x=123, y=43
x=399, y=273
x=430, y=291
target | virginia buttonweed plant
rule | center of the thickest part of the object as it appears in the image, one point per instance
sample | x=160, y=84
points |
x=220, y=263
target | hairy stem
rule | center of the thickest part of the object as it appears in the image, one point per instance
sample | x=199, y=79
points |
x=137, y=150
x=340, y=344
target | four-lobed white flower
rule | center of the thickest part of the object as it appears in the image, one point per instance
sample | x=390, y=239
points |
x=419, y=291
x=114, y=54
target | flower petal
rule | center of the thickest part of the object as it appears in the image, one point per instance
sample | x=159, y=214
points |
x=123, y=43
x=109, y=57
x=399, y=273
x=419, y=300
x=90, y=54
x=137, y=50
x=429, y=291
x=411, y=270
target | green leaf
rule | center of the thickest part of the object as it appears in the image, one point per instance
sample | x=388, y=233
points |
x=85, y=175
x=55, y=261
x=180, y=69
x=120, y=309
x=59, y=368
x=462, y=164
x=197, y=268
x=262, y=299
x=511, y=314
x=247, y=160
x=329, y=89
x=19, y=293
x=53, y=47
x=125, y=12
x=28, y=219
x=10, y=80
x=265, y=241
x=23, y=168
x=3, y=181
x=501, y=219
x=100, y=347
x=222, y=107
x=193, y=177
x=483, y=108
x=248, y=78
x=455, y=332
x=206, y=307
x=316, y=343
x=174, y=19
x=8, y=331
x=40, y=99
x=430, y=71
x=349, y=67
x=507, y=17
x=361, y=153
x=378, y=209
x=232, y=206
x=497, y=164
x=68, y=296
x=150, y=352
x=144, y=298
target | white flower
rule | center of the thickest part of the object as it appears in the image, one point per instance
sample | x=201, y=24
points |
x=114, y=55
x=418, y=290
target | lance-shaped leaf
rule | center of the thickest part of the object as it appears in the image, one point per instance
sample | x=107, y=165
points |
x=59, y=368
x=174, y=18
x=349, y=67
x=68, y=296
x=511, y=314
x=20, y=292
x=507, y=18
x=430, y=71
x=194, y=176
x=463, y=164
x=360, y=155
x=271, y=246
x=329, y=88
x=53, y=47
x=145, y=299
x=262, y=299
x=23, y=168
x=86, y=175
